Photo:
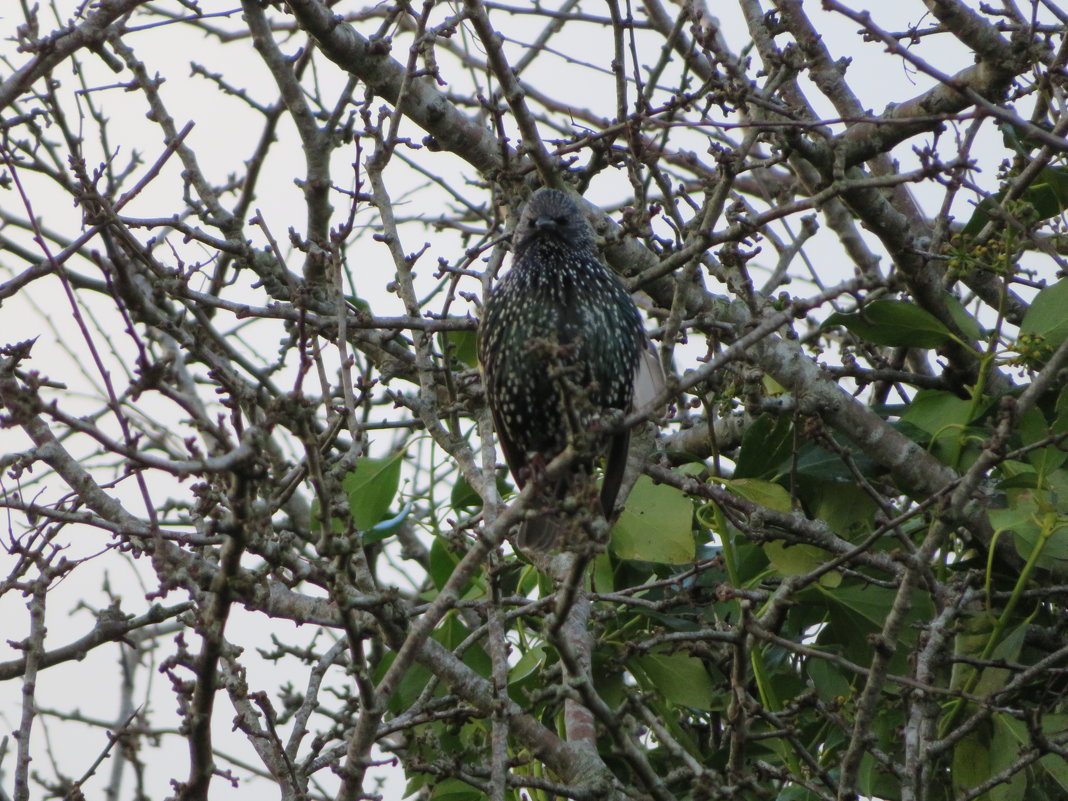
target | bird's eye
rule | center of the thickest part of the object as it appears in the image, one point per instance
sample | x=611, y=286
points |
x=562, y=220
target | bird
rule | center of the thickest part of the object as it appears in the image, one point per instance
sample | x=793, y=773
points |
x=561, y=345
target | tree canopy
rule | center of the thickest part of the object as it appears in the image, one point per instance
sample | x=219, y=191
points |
x=258, y=538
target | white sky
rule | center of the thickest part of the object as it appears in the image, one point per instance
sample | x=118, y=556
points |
x=224, y=136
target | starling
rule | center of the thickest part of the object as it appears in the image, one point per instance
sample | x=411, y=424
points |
x=561, y=344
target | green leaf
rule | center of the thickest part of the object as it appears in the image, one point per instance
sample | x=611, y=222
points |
x=821, y=465
x=894, y=323
x=1004, y=752
x=1049, y=193
x=870, y=602
x=451, y=633
x=797, y=560
x=336, y=526
x=359, y=303
x=462, y=345
x=442, y=561
x=1046, y=318
x=1029, y=514
x=766, y=444
x=846, y=508
x=796, y=792
x=463, y=495
x=971, y=763
x=529, y=663
x=1019, y=518
x=993, y=679
x=828, y=680
x=411, y=684
x=932, y=411
x=371, y=487
x=680, y=679
x=1033, y=428
x=765, y=493
x=655, y=526
x=455, y=790
x=968, y=325
x=1054, y=764
x=1016, y=736
x=946, y=418
x=602, y=574
x=874, y=781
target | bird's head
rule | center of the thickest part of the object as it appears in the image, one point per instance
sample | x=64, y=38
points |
x=552, y=218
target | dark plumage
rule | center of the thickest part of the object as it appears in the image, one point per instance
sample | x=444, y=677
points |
x=560, y=344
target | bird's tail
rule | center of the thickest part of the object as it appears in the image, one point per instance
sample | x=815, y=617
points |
x=542, y=533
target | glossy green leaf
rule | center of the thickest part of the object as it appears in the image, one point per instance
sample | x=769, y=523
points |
x=1008, y=650
x=359, y=303
x=798, y=560
x=765, y=493
x=1004, y=752
x=933, y=411
x=766, y=444
x=442, y=562
x=463, y=495
x=828, y=680
x=1033, y=428
x=451, y=632
x=1017, y=737
x=1047, y=195
x=527, y=665
x=971, y=763
x=371, y=487
x=602, y=574
x=873, y=780
x=870, y=602
x=1033, y=518
x=455, y=790
x=1049, y=192
x=411, y=684
x=1046, y=316
x=846, y=508
x=894, y=323
x=462, y=345
x=968, y=325
x=680, y=679
x=655, y=526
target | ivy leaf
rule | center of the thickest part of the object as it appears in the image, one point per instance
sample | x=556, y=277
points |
x=894, y=323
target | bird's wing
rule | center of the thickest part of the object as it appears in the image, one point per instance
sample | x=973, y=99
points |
x=649, y=379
